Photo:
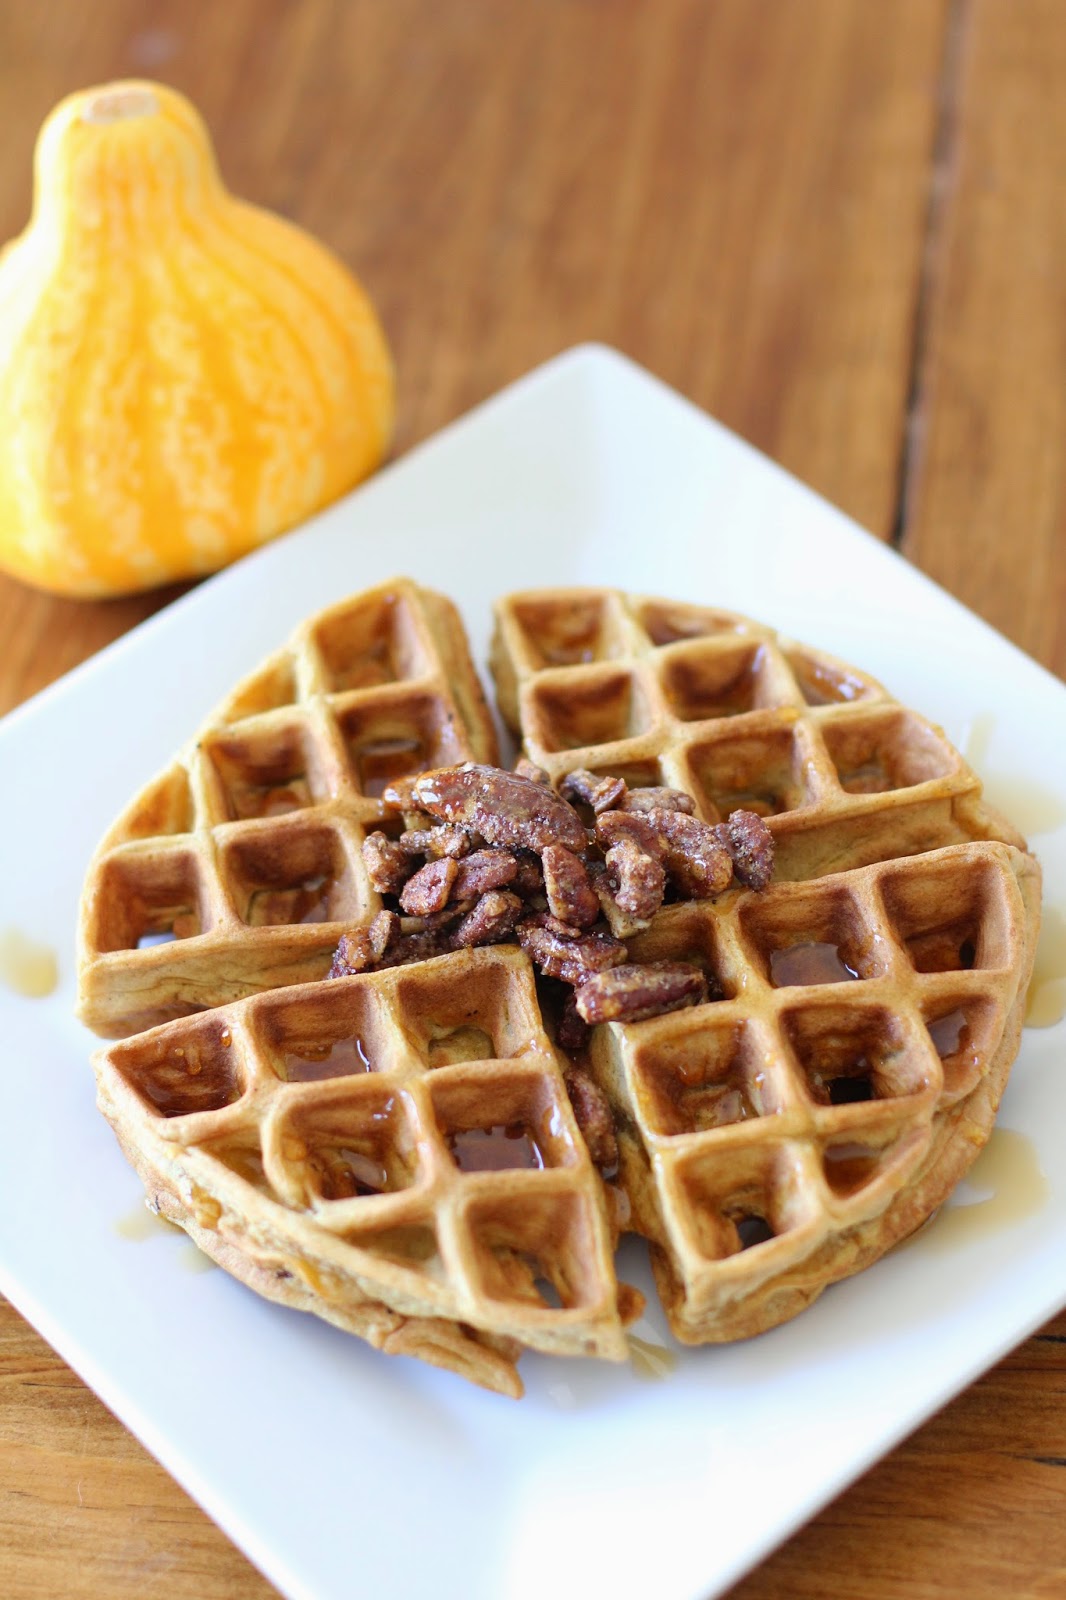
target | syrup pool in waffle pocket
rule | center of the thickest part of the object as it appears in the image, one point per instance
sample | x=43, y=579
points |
x=409, y=1151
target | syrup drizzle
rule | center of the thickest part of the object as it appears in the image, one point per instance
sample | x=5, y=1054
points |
x=143, y=1223
x=815, y=961
x=1011, y=1186
x=30, y=969
x=1046, y=1002
x=651, y=1362
x=496, y=1149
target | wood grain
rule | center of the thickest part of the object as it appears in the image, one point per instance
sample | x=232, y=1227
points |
x=835, y=226
x=985, y=509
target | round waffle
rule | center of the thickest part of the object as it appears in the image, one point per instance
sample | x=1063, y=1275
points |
x=395, y=1150
x=866, y=1007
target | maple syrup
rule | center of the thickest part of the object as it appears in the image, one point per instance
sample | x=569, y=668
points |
x=310, y=1063
x=1046, y=1001
x=651, y=1362
x=143, y=1223
x=381, y=761
x=870, y=778
x=845, y=1086
x=1030, y=806
x=816, y=961
x=849, y=1166
x=496, y=1149
x=270, y=800
x=345, y=1174
x=29, y=968
x=950, y=1033
x=466, y=1043
x=1008, y=1169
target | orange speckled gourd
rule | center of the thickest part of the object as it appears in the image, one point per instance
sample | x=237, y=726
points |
x=182, y=375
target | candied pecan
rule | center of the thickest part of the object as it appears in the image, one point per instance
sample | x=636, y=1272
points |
x=656, y=798
x=387, y=864
x=416, y=947
x=602, y=794
x=566, y=883
x=524, y=768
x=621, y=923
x=484, y=870
x=630, y=993
x=529, y=877
x=572, y=960
x=383, y=929
x=436, y=919
x=697, y=861
x=400, y=794
x=572, y=1032
x=637, y=879
x=442, y=839
x=505, y=809
x=592, y=1113
x=751, y=844
x=354, y=953
x=493, y=918
x=615, y=825
x=430, y=888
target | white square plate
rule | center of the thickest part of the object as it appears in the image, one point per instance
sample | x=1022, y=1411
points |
x=341, y=1471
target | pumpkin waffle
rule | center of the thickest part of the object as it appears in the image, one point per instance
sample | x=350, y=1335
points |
x=240, y=866
x=395, y=1152
x=865, y=1009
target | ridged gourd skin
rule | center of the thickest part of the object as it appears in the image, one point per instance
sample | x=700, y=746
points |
x=182, y=375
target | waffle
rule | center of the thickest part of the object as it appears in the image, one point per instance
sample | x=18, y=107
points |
x=332, y=1145
x=868, y=1005
x=239, y=867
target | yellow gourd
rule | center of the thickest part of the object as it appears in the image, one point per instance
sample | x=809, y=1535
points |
x=182, y=375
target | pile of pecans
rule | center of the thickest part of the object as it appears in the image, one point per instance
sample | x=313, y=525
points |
x=488, y=855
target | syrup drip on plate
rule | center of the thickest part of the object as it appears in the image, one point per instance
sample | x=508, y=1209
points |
x=1009, y=1185
x=652, y=1362
x=1047, y=990
x=27, y=967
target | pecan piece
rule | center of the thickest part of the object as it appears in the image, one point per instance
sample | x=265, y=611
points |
x=484, y=870
x=633, y=825
x=529, y=876
x=354, y=953
x=524, y=768
x=566, y=883
x=505, y=809
x=572, y=1031
x=442, y=839
x=696, y=859
x=430, y=888
x=637, y=880
x=621, y=923
x=751, y=844
x=493, y=918
x=572, y=960
x=387, y=863
x=416, y=947
x=656, y=798
x=383, y=929
x=602, y=794
x=592, y=1113
x=631, y=993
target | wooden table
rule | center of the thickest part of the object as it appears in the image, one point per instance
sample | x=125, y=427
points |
x=838, y=226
